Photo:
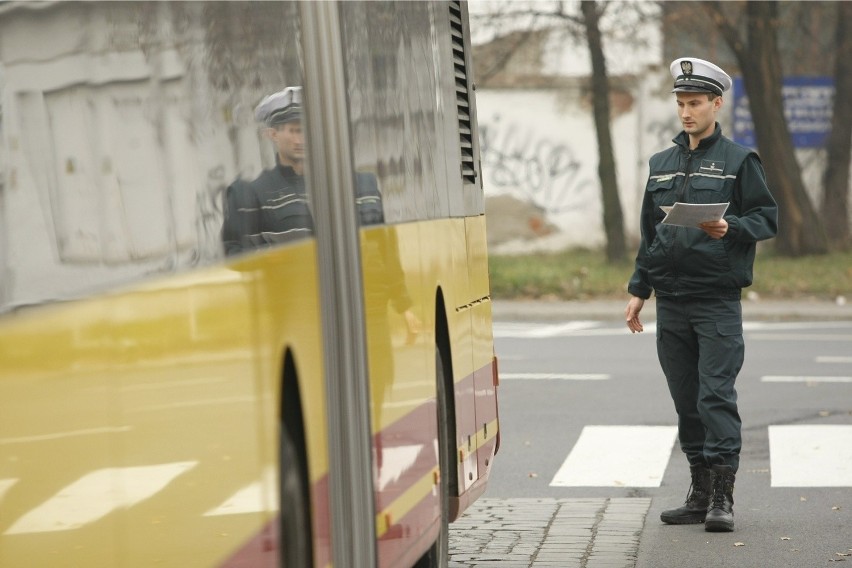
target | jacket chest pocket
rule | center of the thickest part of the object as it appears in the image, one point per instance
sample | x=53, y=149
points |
x=661, y=188
x=705, y=189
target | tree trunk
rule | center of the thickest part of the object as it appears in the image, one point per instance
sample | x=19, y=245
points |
x=800, y=230
x=613, y=219
x=835, y=203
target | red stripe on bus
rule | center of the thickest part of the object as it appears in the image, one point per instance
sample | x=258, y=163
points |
x=419, y=523
x=259, y=552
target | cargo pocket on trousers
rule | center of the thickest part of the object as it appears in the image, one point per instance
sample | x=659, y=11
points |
x=729, y=329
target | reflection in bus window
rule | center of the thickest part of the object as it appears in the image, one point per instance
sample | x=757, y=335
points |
x=274, y=208
x=123, y=126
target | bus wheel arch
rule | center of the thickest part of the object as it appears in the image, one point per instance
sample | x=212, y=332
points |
x=443, y=348
x=295, y=538
x=438, y=554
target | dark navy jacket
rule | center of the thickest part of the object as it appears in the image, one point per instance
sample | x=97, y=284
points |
x=274, y=208
x=685, y=261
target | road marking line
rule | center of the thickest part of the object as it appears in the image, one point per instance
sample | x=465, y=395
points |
x=559, y=376
x=618, y=456
x=541, y=330
x=799, y=337
x=830, y=359
x=803, y=379
x=811, y=455
x=97, y=494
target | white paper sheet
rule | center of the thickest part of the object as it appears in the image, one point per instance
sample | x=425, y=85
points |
x=692, y=214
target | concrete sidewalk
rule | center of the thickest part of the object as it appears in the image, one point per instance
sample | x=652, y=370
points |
x=613, y=310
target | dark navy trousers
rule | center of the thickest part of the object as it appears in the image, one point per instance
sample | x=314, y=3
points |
x=701, y=351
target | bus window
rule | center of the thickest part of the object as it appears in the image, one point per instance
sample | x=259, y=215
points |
x=397, y=129
x=117, y=164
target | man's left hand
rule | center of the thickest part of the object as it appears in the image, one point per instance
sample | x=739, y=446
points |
x=716, y=229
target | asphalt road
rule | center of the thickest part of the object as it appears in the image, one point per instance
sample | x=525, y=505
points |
x=573, y=386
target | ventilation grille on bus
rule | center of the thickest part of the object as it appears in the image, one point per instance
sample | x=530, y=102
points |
x=468, y=167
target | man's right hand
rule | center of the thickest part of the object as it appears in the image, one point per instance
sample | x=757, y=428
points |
x=631, y=314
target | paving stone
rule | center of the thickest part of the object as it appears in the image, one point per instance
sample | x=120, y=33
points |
x=548, y=533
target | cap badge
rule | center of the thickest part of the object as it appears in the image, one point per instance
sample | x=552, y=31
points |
x=686, y=67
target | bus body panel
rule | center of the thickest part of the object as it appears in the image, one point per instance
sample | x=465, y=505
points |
x=139, y=414
x=131, y=454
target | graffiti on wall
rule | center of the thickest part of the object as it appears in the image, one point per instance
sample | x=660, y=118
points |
x=522, y=160
x=209, y=216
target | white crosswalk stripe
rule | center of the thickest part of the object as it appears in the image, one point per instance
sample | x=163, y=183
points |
x=618, y=456
x=816, y=455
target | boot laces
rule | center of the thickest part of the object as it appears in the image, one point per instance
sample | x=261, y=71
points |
x=697, y=489
x=718, y=498
x=690, y=495
x=722, y=487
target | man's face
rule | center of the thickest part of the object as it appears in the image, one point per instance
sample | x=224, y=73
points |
x=289, y=141
x=697, y=113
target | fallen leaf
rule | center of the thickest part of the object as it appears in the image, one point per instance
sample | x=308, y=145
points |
x=739, y=544
x=803, y=498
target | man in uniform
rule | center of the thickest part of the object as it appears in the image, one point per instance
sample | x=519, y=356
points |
x=274, y=208
x=697, y=274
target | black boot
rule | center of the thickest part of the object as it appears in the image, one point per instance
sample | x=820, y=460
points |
x=720, y=517
x=697, y=499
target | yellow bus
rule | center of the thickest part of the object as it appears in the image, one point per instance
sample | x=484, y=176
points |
x=324, y=399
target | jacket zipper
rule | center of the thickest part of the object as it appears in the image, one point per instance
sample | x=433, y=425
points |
x=682, y=196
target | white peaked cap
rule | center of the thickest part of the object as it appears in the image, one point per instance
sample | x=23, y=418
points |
x=698, y=76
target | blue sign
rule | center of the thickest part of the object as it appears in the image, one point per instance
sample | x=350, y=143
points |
x=807, y=107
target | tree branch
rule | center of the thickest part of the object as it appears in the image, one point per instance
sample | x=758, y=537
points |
x=726, y=27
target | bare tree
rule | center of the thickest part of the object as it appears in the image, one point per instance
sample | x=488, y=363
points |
x=800, y=229
x=835, y=203
x=613, y=218
x=585, y=26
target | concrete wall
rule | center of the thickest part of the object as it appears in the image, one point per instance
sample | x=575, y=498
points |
x=540, y=146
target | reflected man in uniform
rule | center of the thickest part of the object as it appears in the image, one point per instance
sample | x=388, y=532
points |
x=274, y=208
